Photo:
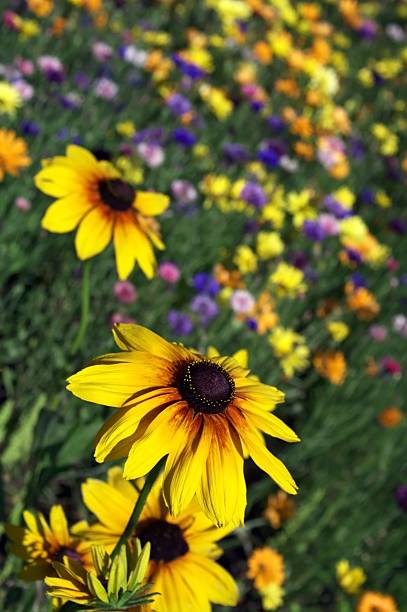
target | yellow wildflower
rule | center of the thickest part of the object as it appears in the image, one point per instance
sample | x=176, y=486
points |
x=350, y=579
x=245, y=259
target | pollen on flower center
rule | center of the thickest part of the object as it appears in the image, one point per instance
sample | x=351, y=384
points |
x=166, y=539
x=207, y=387
x=116, y=194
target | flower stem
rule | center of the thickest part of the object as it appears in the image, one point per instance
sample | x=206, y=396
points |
x=85, y=308
x=142, y=498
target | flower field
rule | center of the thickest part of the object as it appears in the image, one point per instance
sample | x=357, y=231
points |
x=203, y=323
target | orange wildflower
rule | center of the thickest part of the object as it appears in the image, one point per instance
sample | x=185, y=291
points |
x=263, y=52
x=280, y=508
x=288, y=87
x=41, y=8
x=314, y=97
x=376, y=602
x=13, y=153
x=321, y=50
x=340, y=170
x=228, y=278
x=302, y=127
x=58, y=26
x=362, y=302
x=310, y=11
x=349, y=10
x=390, y=417
x=304, y=149
x=372, y=367
x=265, y=565
x=331, y=365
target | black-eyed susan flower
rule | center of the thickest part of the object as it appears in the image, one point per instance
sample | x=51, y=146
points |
x=183, y=550
x=41, y=543
x=93, y=196
x=13, y=153
x=112, y=584
x=205, y=413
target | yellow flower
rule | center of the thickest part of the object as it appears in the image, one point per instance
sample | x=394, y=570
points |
x=290, y=348
x=92, y=195
x=272, y=596
x=298, y=204
x=110, y=584
x=40, y=544
x=353, y=228
x=382, y=199
x=288, y=280
x=345, y=197
x=217, y=101
x=200, y=412
x=350, y=579
x=13, y=153
x=245, y=259
x=29, y=28
x=10, y=99
x=182, y=564
x=338, y=330
x=126, y=128
x=265, y=566
x=269, y=244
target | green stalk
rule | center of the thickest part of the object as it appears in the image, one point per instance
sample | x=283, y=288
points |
x=142, y=498
x=85, y=308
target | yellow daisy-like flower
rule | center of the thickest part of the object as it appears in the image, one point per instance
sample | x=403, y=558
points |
x=40, y=544
x=350, y=578
x=13, y=153
x=265, y=566
x=206, y=414
x=290, y=348
x=10, y=98
x=183, y=550
x=93, y=195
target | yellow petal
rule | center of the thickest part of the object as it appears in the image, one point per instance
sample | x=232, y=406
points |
x=124, y=424
x=184, y=465
x=268, y=462
x=125, y=240
x=65, y=214
x=222, y=492
x=151, y=204
x=220, y=588
x=83, y=159
x=144, y=253
x=107, y=503
x=94, y=233
x=113, y=384
x=58, y=181
x=137, y=338
x=154, y=444
x=267, y=422
x=59, y=525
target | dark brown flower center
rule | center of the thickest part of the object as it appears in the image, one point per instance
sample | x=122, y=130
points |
x=167, y=540
x=116, y=193
x=207, y=387
x=66, y=552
